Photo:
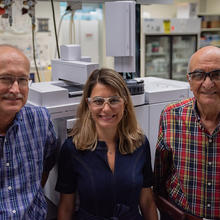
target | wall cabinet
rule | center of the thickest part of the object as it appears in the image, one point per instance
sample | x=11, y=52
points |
x=210, y=30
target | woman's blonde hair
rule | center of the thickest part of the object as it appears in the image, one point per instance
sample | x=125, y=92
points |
x=84, y=131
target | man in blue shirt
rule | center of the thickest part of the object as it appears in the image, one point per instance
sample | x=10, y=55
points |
x=27, y=142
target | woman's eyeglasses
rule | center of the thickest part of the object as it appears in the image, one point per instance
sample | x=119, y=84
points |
x=99, y=102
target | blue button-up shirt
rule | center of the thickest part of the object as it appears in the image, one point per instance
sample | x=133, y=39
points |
x=29, y=148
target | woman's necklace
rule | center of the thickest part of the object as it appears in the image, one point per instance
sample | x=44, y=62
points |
x=110, y=152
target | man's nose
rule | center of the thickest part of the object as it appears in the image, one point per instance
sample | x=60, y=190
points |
x=15, y=87
x=208, y=83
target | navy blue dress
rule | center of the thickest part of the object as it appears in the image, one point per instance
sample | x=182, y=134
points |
x=104, y=194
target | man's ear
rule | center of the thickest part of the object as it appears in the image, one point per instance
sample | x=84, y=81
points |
x=189, y=81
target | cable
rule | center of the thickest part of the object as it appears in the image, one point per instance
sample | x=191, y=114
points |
x=59, y=27
x=71, y=35
x=34, y=57
x=55, y=29
x=72, y=28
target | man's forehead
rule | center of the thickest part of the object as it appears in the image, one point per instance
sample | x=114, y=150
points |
x=10, y=56
x=6, y=50
x=203, y=61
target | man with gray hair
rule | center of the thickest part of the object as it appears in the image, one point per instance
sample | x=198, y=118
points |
x=27, y=142
x=187, y=162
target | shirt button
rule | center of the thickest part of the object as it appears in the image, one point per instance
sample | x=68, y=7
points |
x=9, y=188
x=208, y=205
x=210, y=163
x=14, y=211
x=209, y=184
x=7, y=164
x=210, y=140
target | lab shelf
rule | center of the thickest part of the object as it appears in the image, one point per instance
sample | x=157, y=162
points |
x=155, y=54
x=210, y=29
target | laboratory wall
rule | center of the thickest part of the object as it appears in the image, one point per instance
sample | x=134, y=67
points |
x=19, y=34
x=164, y=11
x=211, y=6
x=44, y=10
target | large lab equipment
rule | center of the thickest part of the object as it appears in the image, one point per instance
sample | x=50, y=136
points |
x=69, y=73
x=168, y=45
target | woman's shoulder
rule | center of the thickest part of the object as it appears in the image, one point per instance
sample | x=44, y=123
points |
x=145, y=141
x=68, y=146
x=145, y=146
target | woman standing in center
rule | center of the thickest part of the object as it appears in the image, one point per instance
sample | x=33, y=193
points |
x=106, y=159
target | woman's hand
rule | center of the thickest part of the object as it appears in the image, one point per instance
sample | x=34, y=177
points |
x=147, y=204
x=66, y=207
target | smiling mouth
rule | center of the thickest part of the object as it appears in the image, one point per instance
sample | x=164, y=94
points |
x=209, y=93
x=106, y=117
x=12, y=99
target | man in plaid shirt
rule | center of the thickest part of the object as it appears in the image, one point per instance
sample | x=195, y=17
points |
x=27, y=142
x=187, y=162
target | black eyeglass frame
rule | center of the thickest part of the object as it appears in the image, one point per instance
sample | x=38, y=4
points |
x=205, y=74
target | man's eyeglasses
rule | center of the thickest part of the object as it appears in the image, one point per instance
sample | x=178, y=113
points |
x=99, y=102
x=198, y=75
x=8, y=80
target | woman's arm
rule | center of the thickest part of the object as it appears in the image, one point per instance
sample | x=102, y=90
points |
x=66, y=207
x=147, y=204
